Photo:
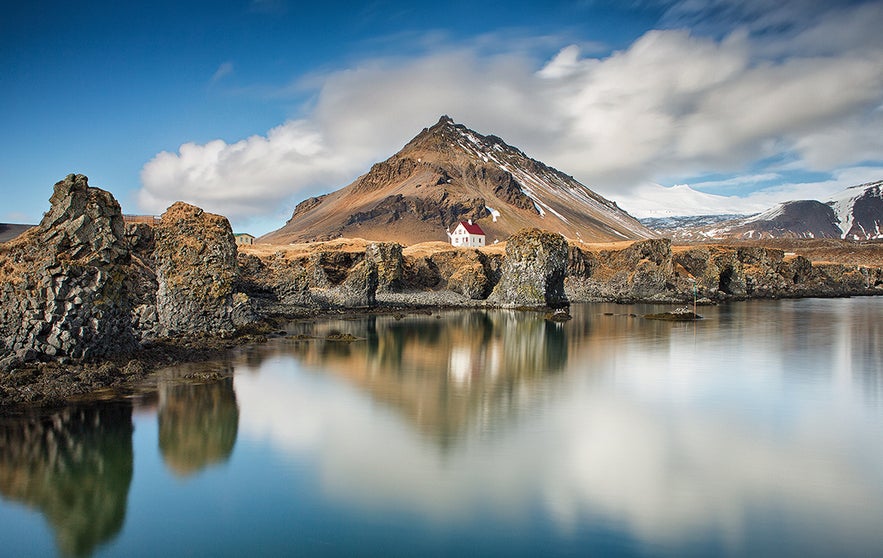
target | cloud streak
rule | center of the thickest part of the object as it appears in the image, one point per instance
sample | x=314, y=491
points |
x=224, y=70
x=671, y=106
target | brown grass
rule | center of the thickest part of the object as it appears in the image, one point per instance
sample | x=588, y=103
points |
x=819, y=251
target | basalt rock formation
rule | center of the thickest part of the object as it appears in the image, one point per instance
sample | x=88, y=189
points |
x=653, y=271
x=329, y=275
x=533, y=272
x=83, y=286
x=195, y=257
x=67, y=283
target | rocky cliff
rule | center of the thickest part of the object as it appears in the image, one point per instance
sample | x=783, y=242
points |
x=195, y=257
x=533, y=272
x=67, y=283
x=653, y=271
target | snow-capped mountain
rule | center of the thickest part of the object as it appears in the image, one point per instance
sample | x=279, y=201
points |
x=855, y=214
x=859, y=211
x=449, y=173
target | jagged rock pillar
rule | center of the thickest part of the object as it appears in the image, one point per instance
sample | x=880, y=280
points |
x=196, y=269
x=533, y=272
x=66, y=283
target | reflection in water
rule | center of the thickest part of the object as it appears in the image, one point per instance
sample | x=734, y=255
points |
x=671, y=432
x=75, y=466
x=448, y=371
x=753, y=432
x=197, y=423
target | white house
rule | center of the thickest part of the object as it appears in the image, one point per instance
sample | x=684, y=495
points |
x=467, y=234
x=243, y=239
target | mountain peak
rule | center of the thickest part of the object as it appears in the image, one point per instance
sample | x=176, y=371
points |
x=449, y=173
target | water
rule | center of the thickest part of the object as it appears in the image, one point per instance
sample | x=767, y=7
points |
x=755, y=432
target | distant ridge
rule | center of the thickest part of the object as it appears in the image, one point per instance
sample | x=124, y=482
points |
x=10, y=231
x=856, y=213
x=449, y=173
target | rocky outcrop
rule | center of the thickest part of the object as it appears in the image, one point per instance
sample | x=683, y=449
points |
x=533, y=272
x=326, y=276
x=467, y=272
x=195, y=257
x=67, y=284
x=641, y=271
x=652, y=271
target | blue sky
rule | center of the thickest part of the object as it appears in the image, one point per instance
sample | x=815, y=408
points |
x=246, y=108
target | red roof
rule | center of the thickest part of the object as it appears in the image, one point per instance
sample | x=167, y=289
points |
x=473, y=228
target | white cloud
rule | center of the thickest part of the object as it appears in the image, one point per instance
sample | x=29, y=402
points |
x=224, y=70
x=673, y=104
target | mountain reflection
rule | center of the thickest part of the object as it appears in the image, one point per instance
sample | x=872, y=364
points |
x=673, y=432
x=75, y=467
x=445, y=372
x=198, y=423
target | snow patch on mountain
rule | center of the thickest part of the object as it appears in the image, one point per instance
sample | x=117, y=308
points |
x=849, y=202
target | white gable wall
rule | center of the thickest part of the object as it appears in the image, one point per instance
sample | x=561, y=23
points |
x=461, y=237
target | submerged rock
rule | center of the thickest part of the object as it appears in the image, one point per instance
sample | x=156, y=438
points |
x=676, y=315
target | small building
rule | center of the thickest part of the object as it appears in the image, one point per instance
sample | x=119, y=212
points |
x=468, y=234
x=243, y=239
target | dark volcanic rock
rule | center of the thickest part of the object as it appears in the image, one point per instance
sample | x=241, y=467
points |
x=66, y=284
x=195, y=259
x=641, y=271
x=533, y=272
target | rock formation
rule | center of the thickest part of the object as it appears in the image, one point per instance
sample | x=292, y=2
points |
x=195, y=259
x=652, y=271
x=533, y=272
x=81, y=286
x=66, y=284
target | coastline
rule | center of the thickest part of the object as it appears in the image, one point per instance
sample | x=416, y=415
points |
x=88, y=302
x=44, y=386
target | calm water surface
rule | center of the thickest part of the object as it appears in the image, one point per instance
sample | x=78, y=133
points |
x=756, y=432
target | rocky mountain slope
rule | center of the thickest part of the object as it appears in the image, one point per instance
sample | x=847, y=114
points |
x=859, y=211
x=854, y=214
x=449, y=173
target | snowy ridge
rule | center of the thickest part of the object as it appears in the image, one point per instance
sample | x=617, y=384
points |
x=856, y=213
x=768, y=215
x=844, y=205
x=545, y=186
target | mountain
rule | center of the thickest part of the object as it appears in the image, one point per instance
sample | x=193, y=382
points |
x=793, y=219
x=859, y=211
x=855, y=214
x=449, y=173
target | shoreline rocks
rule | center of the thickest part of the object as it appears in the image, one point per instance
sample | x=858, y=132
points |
x=82, y=289
x=67, y=283
x=195, y=257
x=533, y=271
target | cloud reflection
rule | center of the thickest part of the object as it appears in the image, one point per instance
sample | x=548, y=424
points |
x=689, y=438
